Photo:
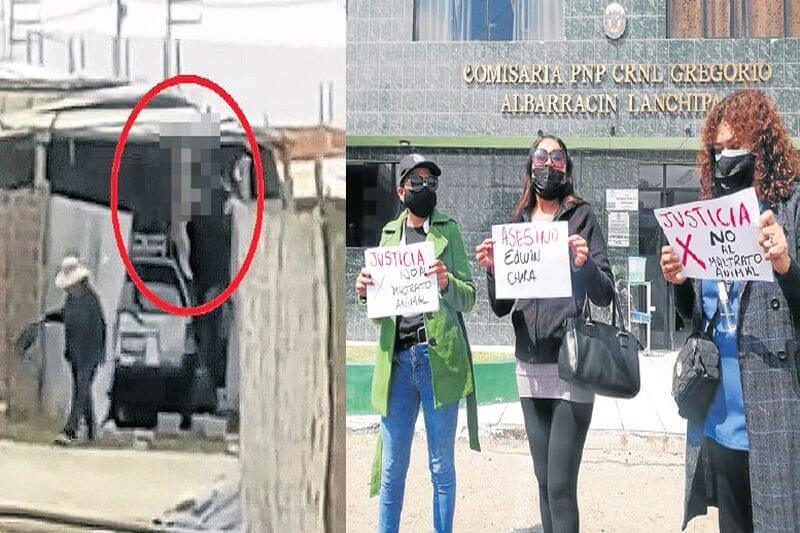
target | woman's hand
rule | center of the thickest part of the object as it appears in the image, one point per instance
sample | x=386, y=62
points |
x=773, y=240
x=364, y=278
x=671, y=266
x=438, y=268
x=580, y=250
x=484, y=254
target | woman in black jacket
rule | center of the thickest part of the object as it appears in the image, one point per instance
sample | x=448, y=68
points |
x=557, y=414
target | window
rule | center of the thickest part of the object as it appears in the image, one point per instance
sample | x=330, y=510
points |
x=733, y=18
x=488, y=20
x=682, y=177
x=651, y=176
x=371, y=201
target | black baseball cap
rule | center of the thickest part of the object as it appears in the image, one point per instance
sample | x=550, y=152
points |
x=412, y=161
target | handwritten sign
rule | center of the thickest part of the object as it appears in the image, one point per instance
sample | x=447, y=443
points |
x=532, y=260
x=400, y=286
x=717, y=239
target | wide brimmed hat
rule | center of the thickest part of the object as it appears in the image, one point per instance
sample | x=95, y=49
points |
x=71, y=272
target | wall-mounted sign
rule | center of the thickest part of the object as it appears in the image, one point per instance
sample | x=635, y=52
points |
x=615, y=20
x=622, y=199
x=619, y=229
x=676, y=76
x=717, y=239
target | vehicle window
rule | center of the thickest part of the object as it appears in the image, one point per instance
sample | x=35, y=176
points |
x=163, y=281
x=168, y=293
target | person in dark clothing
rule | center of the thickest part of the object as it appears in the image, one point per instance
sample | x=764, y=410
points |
x=85, y=342
x=556, y=413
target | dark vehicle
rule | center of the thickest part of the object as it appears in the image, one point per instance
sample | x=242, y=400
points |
x=152, y=348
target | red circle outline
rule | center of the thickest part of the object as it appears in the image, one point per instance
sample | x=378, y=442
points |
x=123, y=253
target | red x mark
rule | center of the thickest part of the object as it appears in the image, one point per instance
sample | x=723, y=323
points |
x=687, y=252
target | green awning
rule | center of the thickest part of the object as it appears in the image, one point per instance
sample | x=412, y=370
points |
x=574, y=143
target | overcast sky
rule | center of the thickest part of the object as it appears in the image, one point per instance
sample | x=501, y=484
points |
x=270, y=55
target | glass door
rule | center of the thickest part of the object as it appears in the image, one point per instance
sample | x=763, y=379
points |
x=662, y=185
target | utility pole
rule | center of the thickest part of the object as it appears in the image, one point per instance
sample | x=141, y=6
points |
x=122, y=10
x=325, y=115
x=4, y=27
x=168, y=39
x=330, y=102
x=23, y=15
x=172, y=21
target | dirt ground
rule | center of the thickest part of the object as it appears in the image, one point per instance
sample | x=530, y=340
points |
x=625, y=485
x=129, y=485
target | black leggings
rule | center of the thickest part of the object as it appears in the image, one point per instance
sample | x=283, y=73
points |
x=730, y=470
x=556, y=435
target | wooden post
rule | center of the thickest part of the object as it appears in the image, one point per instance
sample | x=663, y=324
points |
x=40, y=160
x=289, y=394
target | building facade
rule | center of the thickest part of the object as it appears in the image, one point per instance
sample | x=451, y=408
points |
x=626, y=85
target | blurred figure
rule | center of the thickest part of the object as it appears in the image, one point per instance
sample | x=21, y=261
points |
x=84, y=343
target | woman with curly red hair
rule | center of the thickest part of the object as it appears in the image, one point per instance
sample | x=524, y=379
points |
x=744, y=456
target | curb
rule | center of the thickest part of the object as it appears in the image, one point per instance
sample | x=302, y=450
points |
x=600, y=439
x=496, y=382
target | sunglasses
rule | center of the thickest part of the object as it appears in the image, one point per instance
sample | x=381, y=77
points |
x=557, y=156
x=417, y=182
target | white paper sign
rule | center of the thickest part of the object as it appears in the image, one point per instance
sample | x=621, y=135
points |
x=400, y=286
x=619, y=229
x=717, y=239
x=532, y=260
x=622, y=199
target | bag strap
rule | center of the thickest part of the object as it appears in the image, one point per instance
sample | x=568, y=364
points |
x=616, y=311
x=713, y=322
x=697, y=325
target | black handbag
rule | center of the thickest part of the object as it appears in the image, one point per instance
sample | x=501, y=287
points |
x=696, y=374
x=600, y=357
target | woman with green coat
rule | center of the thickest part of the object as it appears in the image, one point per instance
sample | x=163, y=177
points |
x=423, y=359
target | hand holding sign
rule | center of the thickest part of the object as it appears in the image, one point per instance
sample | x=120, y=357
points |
x=484, y=254
x=402, y=280
x=773, y=240
x=718, y=239
x=440, y=271
x=364, y=278
x=532, y=260
x=580, y=250
x=671, y=266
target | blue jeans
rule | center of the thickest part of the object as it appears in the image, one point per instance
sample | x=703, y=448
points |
x=411, y=385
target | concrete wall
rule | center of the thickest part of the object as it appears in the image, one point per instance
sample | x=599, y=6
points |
x=22, y=216
x=292, y=374
x=396, y=86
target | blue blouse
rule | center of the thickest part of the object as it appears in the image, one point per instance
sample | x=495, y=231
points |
x=725, y=421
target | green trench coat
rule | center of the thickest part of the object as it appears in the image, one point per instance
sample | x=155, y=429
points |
x=448, y=348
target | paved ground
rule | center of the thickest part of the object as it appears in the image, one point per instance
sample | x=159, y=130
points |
x=115, y=484
x=652, y=410
x=628, y=483
x=631, y=478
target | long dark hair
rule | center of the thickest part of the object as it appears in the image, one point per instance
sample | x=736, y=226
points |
x=528, y=197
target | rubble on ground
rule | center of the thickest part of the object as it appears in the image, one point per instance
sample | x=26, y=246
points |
x=215, y=509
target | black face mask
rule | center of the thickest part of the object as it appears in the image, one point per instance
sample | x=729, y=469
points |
x=548, y=182
x=733, y=172
x=420, y=203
